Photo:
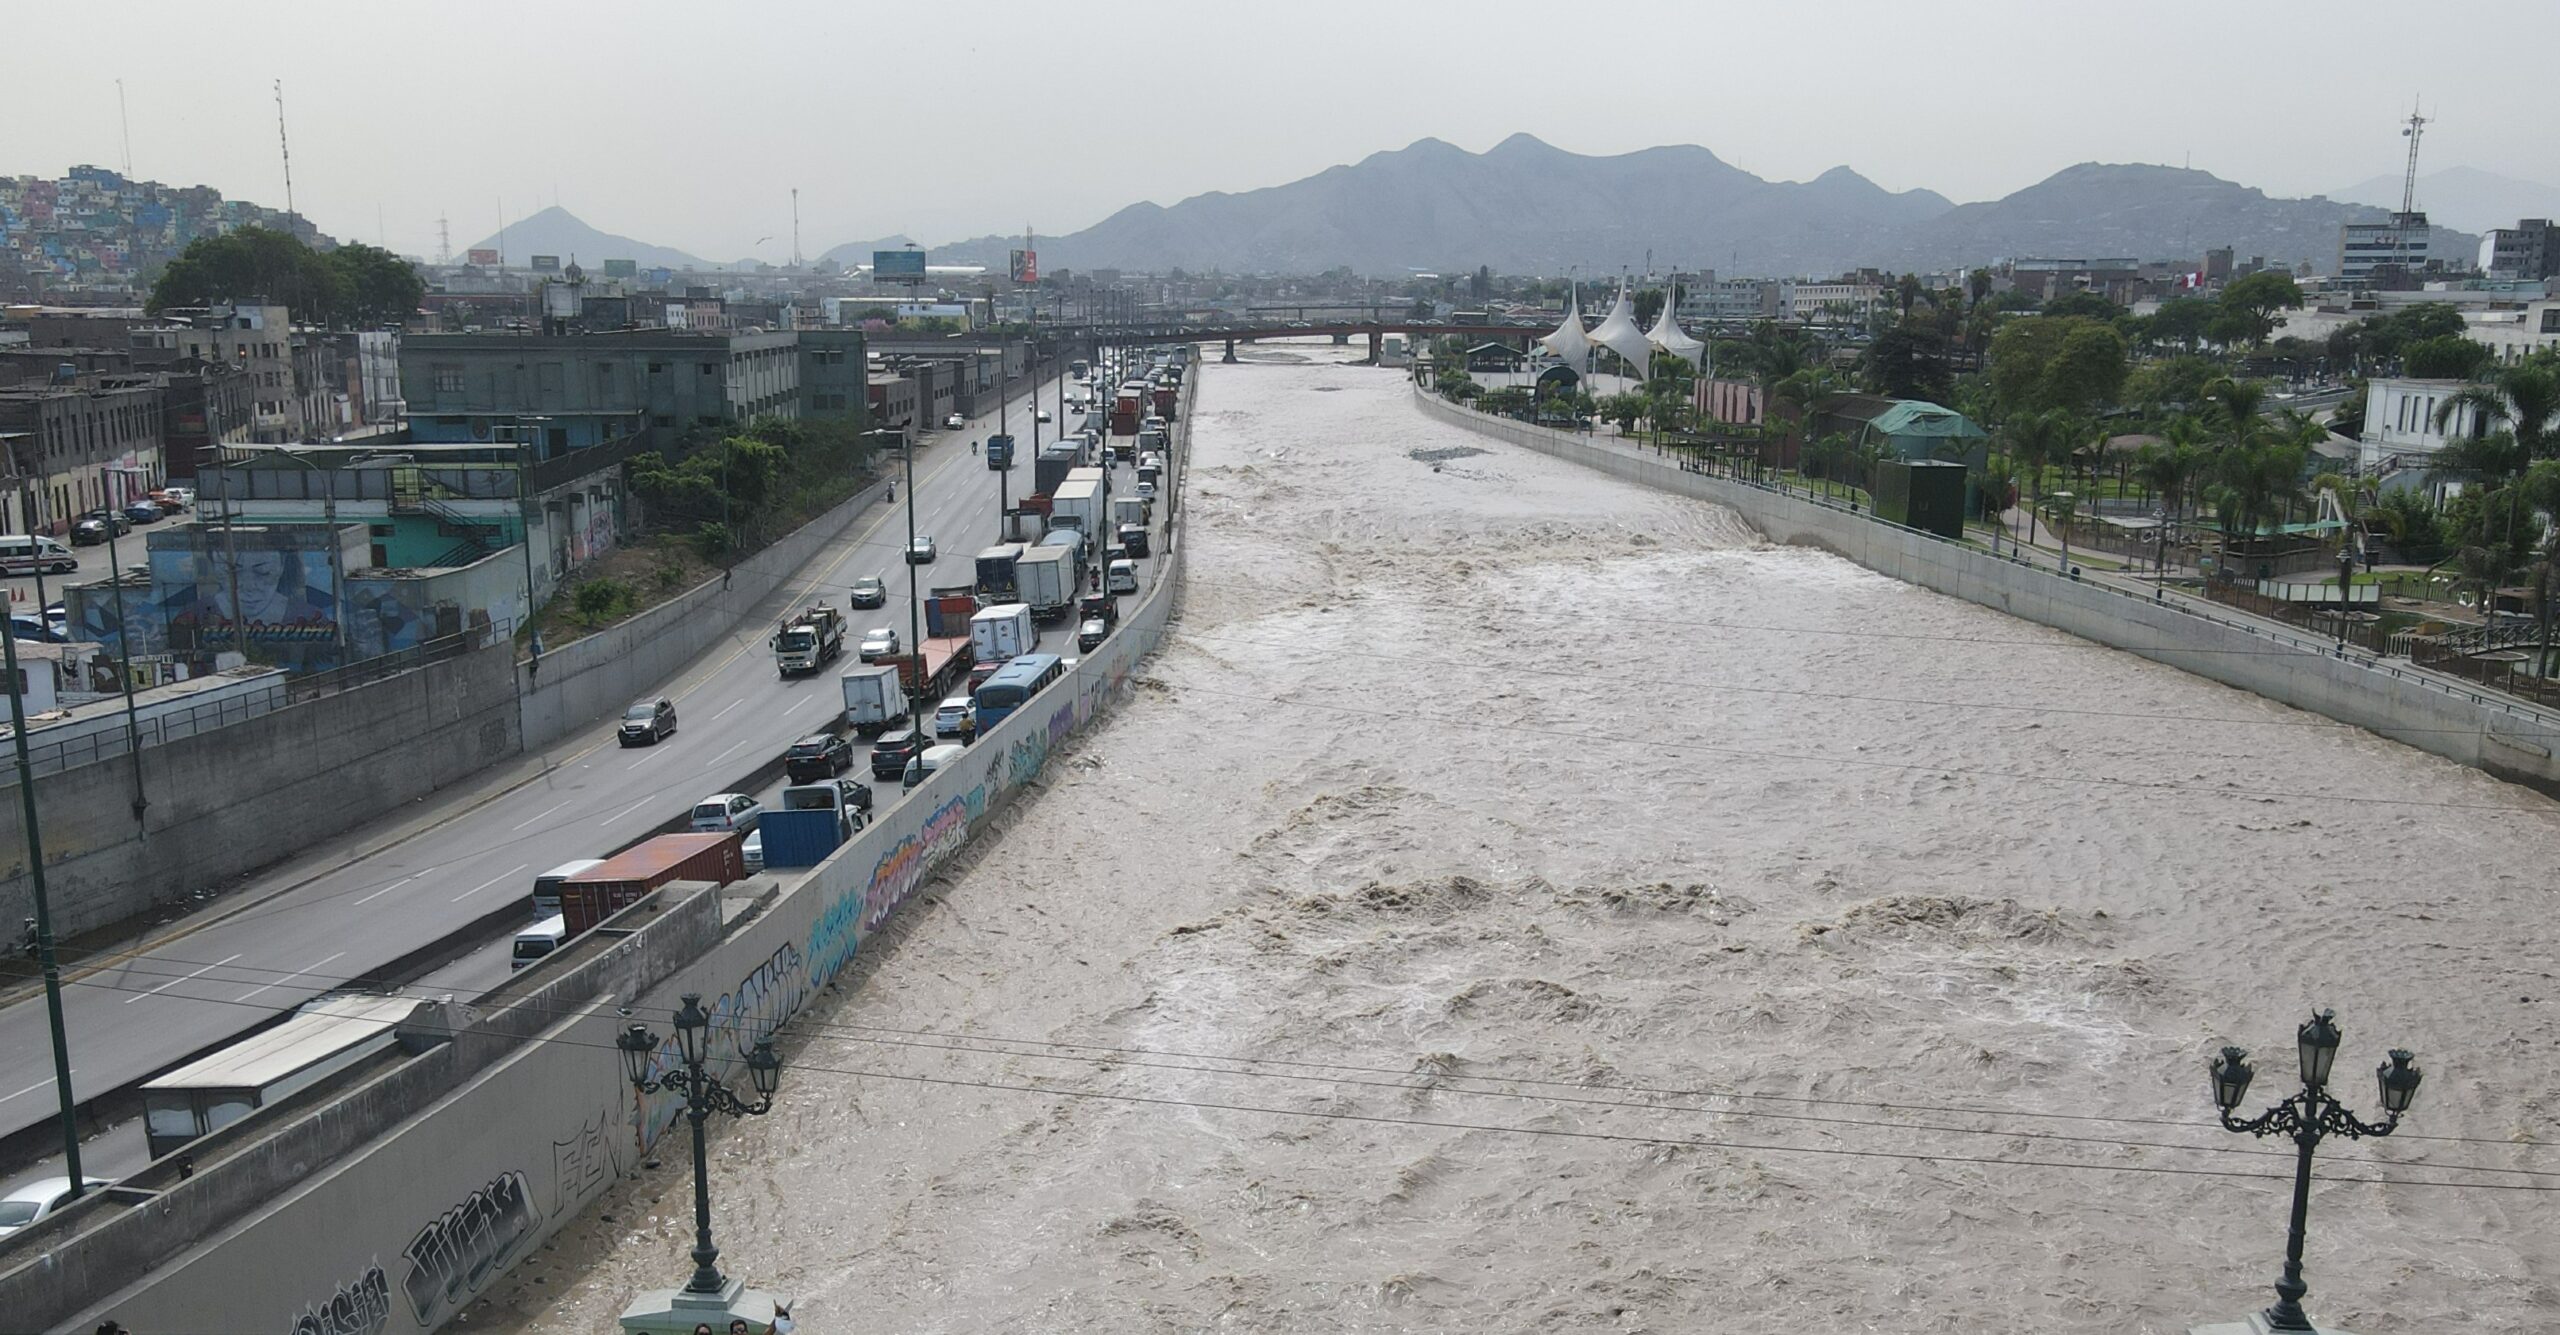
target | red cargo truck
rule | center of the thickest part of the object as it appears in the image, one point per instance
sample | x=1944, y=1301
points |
x=1164, y=401
x=627, y=877
x=940, y=662
x=1127, y=406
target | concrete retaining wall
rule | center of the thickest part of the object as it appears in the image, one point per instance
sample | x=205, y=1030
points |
x=401, y=1234
x=238, y=798
x=2511, y=741
x=588, y=678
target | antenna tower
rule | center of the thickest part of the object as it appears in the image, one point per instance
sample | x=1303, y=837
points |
x=795, y=227
x=444, y=240
x=126, y=122
x=287, y=145
x=2413, y=130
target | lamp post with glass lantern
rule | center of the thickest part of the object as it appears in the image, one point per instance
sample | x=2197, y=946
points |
x=2309, y=1118
x=703, y=1096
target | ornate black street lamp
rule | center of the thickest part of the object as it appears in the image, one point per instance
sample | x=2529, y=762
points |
x=2308, y=1118
x=703, y=1096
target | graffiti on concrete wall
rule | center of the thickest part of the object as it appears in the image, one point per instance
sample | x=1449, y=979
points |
x=359, y=1308
x=899, y=870
x=771, y=993
x=464, y=1248
x=581, y=1166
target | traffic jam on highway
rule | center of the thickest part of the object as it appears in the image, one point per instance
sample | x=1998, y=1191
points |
x=993, y=637
x=1005, y=626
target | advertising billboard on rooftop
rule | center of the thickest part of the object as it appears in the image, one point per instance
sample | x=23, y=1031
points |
x=900, y=265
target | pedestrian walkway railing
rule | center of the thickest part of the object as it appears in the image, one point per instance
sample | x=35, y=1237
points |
x=2272, y=635
x=111, y=737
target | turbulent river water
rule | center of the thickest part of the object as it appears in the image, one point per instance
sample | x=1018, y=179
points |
x=1519, y=901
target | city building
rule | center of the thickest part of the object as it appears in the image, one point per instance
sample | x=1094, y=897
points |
x=2118, y=280
x=2530, y=249
x=1835, y=301
x=573, y=391
x=2400, y=427
x=1732, y=402
x=1729, y=301
x=291, y=395
x=2372, y=252
x=67, y=442
x=93, y=233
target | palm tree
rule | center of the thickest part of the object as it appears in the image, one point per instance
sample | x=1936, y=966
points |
x=2524, y=398
x=2035, y=441
x=1809, y=392
x=2165, y=470
x=2233, y=408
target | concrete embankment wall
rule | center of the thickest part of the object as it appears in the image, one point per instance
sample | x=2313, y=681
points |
x=400, y=1234
x=238, y=798
x=2475, y=728
x=596, y=675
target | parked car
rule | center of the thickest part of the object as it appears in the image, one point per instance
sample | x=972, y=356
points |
x=723, y=813
x=881, y=642
x=649, y=720
x=1091, y=634
x=958, y=717
x=37, y=1199
x=922, y=550
x=142, y=512
x=954, y=422
x=38, y=629
x=99, y=525
x=183, y=498
x=891, y=751
x=820, y=755
x=868, y=591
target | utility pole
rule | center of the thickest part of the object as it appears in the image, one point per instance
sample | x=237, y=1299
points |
x=915, y=600
x=125, y=121
x=795, y=227
x=43, y=923
x=124, y=648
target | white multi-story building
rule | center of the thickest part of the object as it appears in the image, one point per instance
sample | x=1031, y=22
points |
x=2400, y=428
x=1833, y=303
x=2406, y=241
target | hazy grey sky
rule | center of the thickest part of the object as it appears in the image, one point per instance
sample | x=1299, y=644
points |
x=689, y=124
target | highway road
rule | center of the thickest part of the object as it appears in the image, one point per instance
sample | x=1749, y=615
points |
x=143, y=1011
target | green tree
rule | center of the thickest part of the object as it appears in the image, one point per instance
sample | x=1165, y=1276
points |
x=1905, y=362
x=2448, y=357
x=2070, y=363
x=381, y=288
x=2177, y=324
x=2249, y=305
x=2524, y=398
x=252, y=262
x=1624, y=409
x=2087, y=306
x=2036, y=441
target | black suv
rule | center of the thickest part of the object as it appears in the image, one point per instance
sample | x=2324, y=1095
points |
x=890, y=754
x=817, y=756
x=648, y=721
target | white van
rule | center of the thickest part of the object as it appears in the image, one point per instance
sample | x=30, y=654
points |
x=546, y=887
x=1123, y=577
x=22, y=553
x=539, y=940
x=934, y=758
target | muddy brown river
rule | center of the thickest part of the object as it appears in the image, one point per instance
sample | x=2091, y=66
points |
x=1519, y=901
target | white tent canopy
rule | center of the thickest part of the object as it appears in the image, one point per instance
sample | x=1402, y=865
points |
x=1670, y=337
x=1617, y=333
x=1569, y=343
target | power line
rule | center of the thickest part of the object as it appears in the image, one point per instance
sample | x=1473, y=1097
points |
x=1122, y=1056
x=1724, y=1146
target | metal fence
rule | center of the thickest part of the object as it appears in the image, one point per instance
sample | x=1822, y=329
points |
x=313, y=685
x=155, y=729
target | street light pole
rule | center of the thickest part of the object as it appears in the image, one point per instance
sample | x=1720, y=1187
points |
x=2309, y=1118
x=703, y=1096
x=41, y=927
x=915, y=599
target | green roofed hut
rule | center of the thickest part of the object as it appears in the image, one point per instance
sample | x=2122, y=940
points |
x=1911, y=429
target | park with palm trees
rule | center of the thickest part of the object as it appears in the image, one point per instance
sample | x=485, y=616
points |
x=2158, y=448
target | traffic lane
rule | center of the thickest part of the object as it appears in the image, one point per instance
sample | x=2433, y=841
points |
x=155, y=1007
x=95, y=563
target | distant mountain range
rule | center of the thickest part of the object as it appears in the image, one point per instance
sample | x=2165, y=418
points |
x=1525, y=206
x=2463, y=197
x=556, y=231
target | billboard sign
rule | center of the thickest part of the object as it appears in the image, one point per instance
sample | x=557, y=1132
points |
x=1026, y=266
x=482, y=257
x=546, y=264
x=898, y=266
x=621, y=268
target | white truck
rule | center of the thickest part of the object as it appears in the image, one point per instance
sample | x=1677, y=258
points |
x=1128, y=510
x=1081, y=502
x=1046, y=577
x=874, y=702
x=807, y=639
x=1001, y=632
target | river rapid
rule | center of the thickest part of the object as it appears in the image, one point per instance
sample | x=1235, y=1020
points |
x=1520, y=901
